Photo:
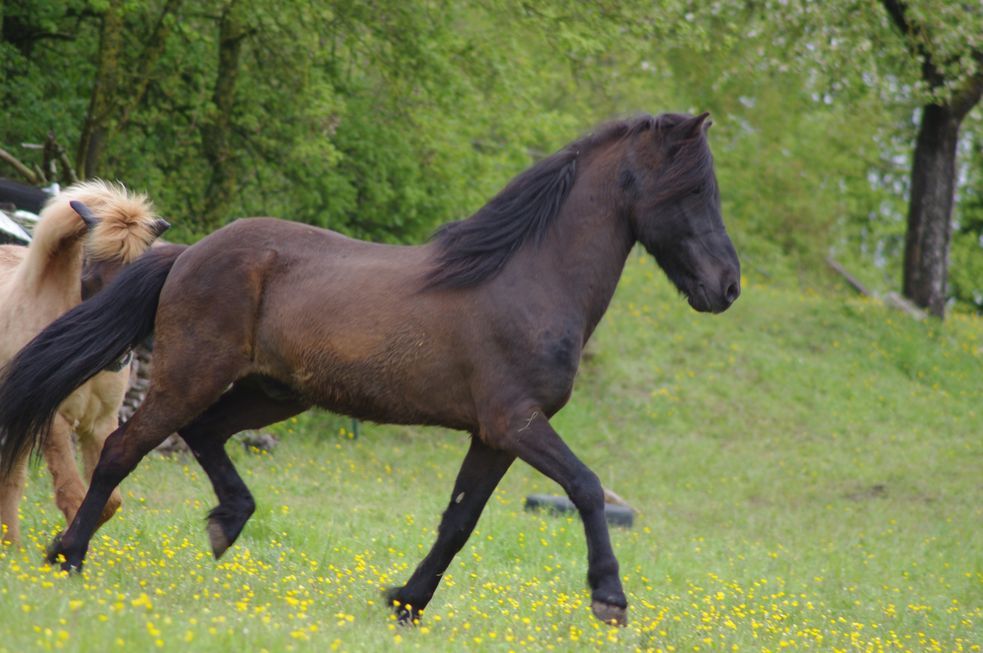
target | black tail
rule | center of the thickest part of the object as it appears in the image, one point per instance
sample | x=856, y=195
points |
x=76, y=347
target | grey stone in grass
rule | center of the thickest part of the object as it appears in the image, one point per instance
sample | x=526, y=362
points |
x=253, y=440
x=616, y=515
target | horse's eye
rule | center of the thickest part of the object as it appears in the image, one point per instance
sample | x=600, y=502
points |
x=697, y=191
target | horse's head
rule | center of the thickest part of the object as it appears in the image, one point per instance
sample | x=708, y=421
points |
x=121, y=227
x=674, y=209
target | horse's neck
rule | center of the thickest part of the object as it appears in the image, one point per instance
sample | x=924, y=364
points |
x=591, y=242
x=53, y=269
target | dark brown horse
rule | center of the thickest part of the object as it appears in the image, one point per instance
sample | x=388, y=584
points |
x=480, y=330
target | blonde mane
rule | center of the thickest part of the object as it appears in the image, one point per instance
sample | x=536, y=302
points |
x=127, y=223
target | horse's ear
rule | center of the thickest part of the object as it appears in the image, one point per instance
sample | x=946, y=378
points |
x=83, y=211
x=693, y=126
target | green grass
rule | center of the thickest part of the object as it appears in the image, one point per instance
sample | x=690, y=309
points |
x=808, y=472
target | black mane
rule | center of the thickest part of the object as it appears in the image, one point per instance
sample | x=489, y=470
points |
x=476, y=249
x=689, y=167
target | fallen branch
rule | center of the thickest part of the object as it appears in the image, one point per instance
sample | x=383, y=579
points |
x=850, y=279
x=892, y=299
x=22, y=169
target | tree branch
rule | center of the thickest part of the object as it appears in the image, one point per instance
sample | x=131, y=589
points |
x=898, y=10
x=215, y=133
x=50, y=36
x=96, y=126
x=965, y=98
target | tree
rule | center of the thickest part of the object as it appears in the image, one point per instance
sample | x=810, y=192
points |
x=952, y=71
x=384, y=119
x=846, y=49
x=216, y=134
x=120, y=81
x=966, y=271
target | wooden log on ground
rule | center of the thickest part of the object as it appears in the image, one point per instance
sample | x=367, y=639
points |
x=892, y=299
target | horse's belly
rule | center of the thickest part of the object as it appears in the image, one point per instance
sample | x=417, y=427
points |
x=367, y=394
x=97, y=401
x=376, y=389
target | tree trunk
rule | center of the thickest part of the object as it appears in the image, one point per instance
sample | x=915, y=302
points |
x=933, y=172
x=121, y=81
x=933, y=186
x=96, y=128
x=216, y=132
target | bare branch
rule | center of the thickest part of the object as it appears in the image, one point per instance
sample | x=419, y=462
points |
x=21, y=169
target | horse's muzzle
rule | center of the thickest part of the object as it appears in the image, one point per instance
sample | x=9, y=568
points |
x=716, y=300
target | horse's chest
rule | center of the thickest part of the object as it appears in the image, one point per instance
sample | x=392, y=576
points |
x=547, y=365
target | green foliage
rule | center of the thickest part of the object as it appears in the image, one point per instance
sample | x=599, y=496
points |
x=385, y=119
x=966, y=266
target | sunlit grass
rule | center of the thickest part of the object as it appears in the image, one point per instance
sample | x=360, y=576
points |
x=806, y=469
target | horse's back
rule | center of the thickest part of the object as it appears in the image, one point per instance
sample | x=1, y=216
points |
x=303, y=267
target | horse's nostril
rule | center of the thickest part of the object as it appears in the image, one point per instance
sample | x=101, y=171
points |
x=732, y=292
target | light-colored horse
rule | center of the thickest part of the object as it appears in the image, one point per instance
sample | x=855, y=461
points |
x=38, y=283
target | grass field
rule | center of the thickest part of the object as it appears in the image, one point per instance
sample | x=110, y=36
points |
x=808, y=472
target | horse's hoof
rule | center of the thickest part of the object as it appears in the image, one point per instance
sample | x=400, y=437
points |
x=52, y=553
x=609, y=613
x=55, y=554
x=405, y=613
x=225, y=522
x=217, y=537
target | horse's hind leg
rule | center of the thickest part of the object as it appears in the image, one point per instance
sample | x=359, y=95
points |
x=11, y=492
x=482, y=469
x=124, y=448
x=59, y=454
x=168, y=407
x=245, y=406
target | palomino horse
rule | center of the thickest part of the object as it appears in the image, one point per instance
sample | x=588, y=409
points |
x=480, y=329
x=40, y=282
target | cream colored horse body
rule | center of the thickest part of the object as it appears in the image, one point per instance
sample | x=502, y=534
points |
x=39, y=283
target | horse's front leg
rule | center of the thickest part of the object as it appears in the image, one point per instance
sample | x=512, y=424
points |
x=531, y=438
x=482, y=469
